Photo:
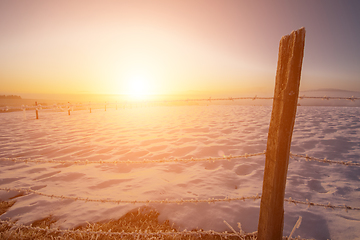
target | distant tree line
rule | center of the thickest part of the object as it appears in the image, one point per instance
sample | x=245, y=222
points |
x=9, y=97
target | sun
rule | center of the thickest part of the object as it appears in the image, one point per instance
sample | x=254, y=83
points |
x=138, y=87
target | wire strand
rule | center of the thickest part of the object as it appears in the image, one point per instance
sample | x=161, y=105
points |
x=165, y=160
x=70, y=106
x=181, y=201
x=324, y=160
x=118, y=201
x=328, y=205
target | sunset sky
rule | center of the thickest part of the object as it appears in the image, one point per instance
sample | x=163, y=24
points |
x=209, y=47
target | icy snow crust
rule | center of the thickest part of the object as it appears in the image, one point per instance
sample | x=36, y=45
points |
x=180, y=132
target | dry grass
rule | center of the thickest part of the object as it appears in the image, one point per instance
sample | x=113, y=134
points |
x=141, y=219
x=4, y=206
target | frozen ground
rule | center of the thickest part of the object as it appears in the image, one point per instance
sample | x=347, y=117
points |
x=180, y=132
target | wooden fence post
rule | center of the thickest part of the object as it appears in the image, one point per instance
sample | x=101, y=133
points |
x=36, y=111
x=288, y=73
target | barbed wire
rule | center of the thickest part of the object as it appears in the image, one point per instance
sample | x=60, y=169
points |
x=181, y=201
x=328, y=205
x=324, y=160
x=352, y=98
x=165, y=160
x=64, y=107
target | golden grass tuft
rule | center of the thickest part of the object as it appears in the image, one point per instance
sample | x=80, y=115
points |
x=140, y=219
x=4, y=206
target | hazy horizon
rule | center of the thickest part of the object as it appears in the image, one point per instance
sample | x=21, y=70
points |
x=180, y=95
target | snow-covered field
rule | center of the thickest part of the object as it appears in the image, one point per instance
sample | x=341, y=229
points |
x=180, y=132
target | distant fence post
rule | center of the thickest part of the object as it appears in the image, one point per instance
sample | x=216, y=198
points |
x=36, y=111
x=291, y=51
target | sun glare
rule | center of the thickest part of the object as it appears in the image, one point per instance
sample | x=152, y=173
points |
x=138, y=87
